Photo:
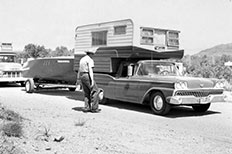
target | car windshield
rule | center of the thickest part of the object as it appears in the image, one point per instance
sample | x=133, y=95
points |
x=157, y=68
x=7, y=58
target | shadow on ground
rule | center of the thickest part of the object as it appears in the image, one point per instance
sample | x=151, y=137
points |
x=75, y=95
x=185, y=111
x=9, y=85
x=175, y=112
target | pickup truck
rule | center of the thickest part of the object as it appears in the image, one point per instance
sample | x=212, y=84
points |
x=10, y=70
x=137, y=75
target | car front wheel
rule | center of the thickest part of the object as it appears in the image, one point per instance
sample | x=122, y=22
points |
x=158, y=104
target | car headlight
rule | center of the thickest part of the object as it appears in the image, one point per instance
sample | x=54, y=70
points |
x=219, y=84
x=1, y=73
x=181, y=85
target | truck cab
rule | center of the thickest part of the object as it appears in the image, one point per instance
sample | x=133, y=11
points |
x=10, y=70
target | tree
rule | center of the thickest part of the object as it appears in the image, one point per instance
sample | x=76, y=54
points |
x=208, y=66
x=35, y=51
x=61, y=51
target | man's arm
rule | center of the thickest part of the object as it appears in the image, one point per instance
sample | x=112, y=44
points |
x=78, y=74
x=91, y=76
x=90, y=67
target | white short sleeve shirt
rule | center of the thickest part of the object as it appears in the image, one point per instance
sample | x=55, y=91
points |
x=85, y=62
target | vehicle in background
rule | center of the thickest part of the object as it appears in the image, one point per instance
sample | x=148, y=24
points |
x=135, y=64
x=10, y=70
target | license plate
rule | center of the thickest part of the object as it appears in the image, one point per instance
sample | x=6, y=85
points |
x=203, y=100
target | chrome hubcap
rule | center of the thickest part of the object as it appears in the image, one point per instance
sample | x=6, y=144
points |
x=101, y=95
x=158, y=102
x=27, y=86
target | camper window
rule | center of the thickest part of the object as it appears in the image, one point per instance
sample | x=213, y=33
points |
x=147, y=32
x=147, y=36
x=118, y=30
x=173, y=38
x=147, y=40
x=99, y=38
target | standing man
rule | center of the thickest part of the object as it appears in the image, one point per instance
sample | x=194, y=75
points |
x=85, y=74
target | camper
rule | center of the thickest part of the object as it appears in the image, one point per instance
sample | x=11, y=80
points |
x=125, y=33
x=10, y=70
x=136, y=64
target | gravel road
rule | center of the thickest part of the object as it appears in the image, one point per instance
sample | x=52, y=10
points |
x=119, y=128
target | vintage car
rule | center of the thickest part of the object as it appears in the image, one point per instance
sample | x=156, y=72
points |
x=132, y=74
x=160, y=84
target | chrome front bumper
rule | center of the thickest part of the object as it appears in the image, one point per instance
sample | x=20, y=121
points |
x=191, y=100
x=12, y=79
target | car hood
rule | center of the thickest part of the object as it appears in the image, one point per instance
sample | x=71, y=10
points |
x=193, y=82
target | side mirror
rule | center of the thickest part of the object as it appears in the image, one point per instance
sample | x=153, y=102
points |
x=129, y=70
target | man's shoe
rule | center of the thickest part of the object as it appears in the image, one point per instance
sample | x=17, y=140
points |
x=86, y=110
x=96, y=111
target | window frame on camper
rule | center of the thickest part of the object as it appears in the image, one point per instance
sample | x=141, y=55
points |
x=99, y=41
x=120, y=30
x=159, y=37
x=146, y=36
x=153, y=35
x=171, y=37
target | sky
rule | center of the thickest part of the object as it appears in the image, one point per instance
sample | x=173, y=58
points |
x=51, y=23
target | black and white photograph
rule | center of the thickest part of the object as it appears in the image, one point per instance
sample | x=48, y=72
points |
x=115, y=77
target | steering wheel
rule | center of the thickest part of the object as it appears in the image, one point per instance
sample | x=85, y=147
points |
x=164, y=72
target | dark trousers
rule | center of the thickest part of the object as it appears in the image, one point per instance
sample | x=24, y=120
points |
x=86, y=85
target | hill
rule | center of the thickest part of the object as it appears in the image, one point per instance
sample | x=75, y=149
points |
x=223, y=49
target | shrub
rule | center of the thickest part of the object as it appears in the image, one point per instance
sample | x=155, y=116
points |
x=81, y=122
x=44, y=135
x=12, y=129
x=9, y=115
x=228, y=86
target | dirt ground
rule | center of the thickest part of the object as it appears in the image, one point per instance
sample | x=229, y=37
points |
x=54, y=124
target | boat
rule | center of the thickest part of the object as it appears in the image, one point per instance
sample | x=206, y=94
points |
x=49, y=71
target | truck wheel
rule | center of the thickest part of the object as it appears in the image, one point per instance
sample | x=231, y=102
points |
x=201, y=108
x=29, y=86
x=158, y=104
